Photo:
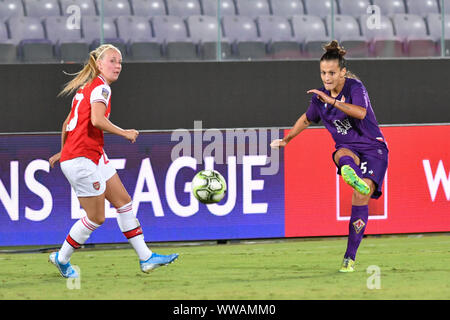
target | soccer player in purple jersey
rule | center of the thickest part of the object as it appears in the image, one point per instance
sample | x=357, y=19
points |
x=361, y=154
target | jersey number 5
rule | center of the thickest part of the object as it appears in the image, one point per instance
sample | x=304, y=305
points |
x=73, y=121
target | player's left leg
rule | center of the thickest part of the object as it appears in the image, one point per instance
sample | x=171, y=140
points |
x=348, y=163
x=130, y=226
x=357, y=225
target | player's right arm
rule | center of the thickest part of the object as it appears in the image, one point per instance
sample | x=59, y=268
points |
x=53, y=159
x=301, y=124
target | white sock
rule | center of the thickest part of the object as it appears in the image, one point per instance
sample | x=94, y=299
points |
x=77, y=236
x=132, y=230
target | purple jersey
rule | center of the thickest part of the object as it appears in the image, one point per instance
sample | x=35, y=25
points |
x=345, y=130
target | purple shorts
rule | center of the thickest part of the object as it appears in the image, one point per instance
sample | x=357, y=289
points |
x=373, y=164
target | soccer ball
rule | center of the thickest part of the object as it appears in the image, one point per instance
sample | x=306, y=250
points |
x=209, y=186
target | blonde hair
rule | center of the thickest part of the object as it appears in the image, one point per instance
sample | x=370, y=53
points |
x=89, y=71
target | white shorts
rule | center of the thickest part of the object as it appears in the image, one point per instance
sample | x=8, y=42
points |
x=106, y=168
x=86, y=178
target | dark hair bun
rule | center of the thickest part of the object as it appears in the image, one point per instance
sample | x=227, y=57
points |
x=334, y=48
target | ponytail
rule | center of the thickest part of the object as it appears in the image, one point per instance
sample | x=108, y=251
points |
x=89, y=71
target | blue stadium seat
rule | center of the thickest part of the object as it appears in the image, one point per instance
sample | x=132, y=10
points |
x=252, y=8
x=446, y=7
x=287, y=8
x=346, y=31
x=148, y=8
x=137, y=32
x=390, y=7
x=91, y=32
x=171, y=32
x=412, y=29
x=86, y=7
x=8, y=50
x=321, y=8
x=434, y=21
x=42, y=8
x=68, y=43
x=227, y=8
x=114, y=8
x=29, y=34
x=310, y=31
x=354, y=8
x=204, y=32
x=435, y=27
x=422, y=7
x=276, y=31
x=243, y=33
x=384, y=42
x=183, y=8
x=11, y=8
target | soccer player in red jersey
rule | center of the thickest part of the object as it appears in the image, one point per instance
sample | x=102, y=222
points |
x=86, y=166
x=361, y=154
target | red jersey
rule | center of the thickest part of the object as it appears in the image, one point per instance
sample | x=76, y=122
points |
x=83, y=139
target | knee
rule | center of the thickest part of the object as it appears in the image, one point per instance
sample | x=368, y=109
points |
x=345, y=152
x=360, y=199
x=98, y=220
x=122, y=202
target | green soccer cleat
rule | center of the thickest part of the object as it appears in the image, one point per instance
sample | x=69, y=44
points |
x=351, y=178
x=348, y=265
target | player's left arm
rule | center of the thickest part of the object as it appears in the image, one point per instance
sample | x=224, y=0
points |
x=101, y=122
x=352, y=110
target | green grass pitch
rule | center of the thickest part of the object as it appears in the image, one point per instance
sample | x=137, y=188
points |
x=410, y=267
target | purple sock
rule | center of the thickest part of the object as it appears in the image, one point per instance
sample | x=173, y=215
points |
x=357, y=225
x=349, y=161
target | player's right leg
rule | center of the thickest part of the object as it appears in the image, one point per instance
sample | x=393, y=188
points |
x=79, y=234
x=88, y=184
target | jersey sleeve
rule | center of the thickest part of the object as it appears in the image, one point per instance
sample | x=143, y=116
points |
x=101, y=93
x=312, y=113
x=359, y=95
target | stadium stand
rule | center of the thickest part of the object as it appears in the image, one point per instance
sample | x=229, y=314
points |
x=346, y=31
x=171, y=33
x=148, y=8
x=85, y=7
x=136, y=32
x=413, y=31
x=42, y=8
x=242, y=32
x=11, y=8
x=146, y=30
x=183, y=8
x=69, y=46
x=310, y=32
x=252, y=8
x=204, y=31
x=422, y=7
x=276, y=32
x=287, y=8
x=8, y=50
x=434, y=21
x=28, y=33
x=321, y=8
x=210, y=7
x=354, y=8
x=383, y=41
